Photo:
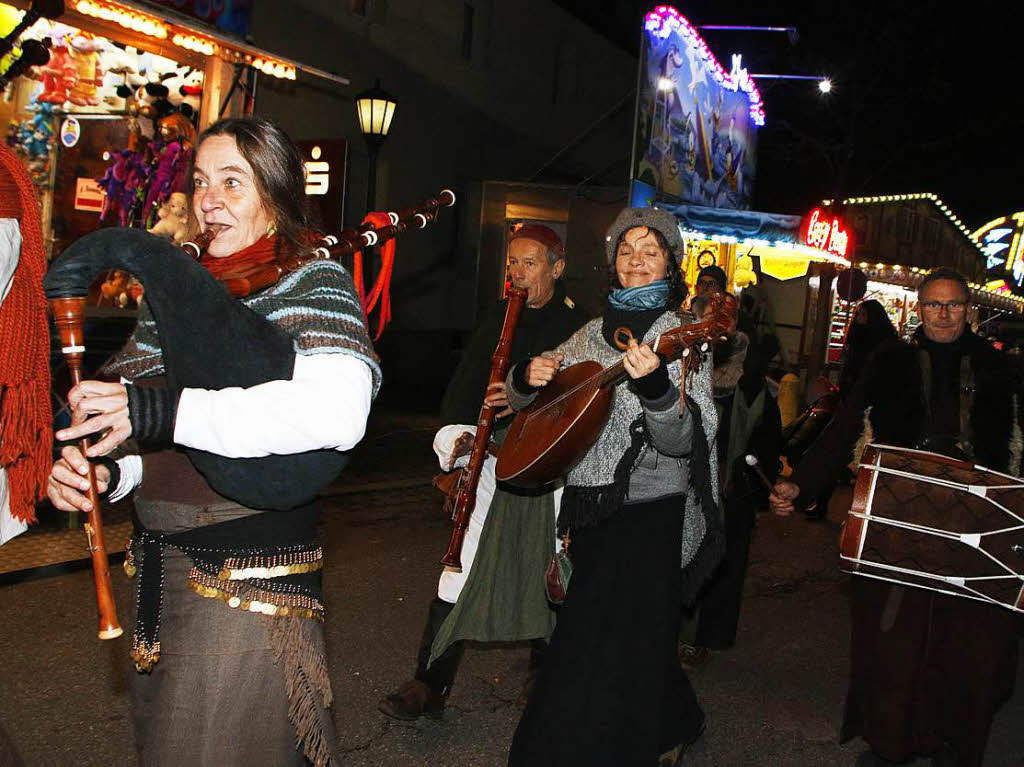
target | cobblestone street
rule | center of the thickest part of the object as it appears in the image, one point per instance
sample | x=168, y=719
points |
x=776, y=699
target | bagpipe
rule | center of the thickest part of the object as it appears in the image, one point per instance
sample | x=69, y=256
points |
x=209, y=340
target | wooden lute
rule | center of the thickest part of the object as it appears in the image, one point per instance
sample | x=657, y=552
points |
x=547, y=439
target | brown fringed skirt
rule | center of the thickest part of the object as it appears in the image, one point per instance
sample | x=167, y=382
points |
x=231, y=688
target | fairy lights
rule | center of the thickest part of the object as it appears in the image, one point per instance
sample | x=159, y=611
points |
x=908, y=198
x=185, y=38
x=129, y=19
x=664, y=20
x=992, y=293
x=196, y=44
x=275, y=68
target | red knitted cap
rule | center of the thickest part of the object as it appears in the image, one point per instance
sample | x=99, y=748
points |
x=542, y=234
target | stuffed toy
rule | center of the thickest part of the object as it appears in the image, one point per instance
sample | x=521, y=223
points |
x=173, y=223
x=59, y=74
x=185, y=90
x=192, y=93
x=120, y=67
x=115, y=288
x=172, y=154
x=85, y=54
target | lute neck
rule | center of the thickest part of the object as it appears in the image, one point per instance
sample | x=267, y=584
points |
x=671, y=345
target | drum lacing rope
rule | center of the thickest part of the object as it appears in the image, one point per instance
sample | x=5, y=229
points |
x=970, y=539
x=979, y=491
x=960, y=582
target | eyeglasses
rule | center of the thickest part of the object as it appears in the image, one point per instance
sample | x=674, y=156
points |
x=954, y=307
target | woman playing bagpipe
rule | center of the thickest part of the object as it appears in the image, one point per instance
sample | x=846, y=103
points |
x=639, y=509
x=225, y=488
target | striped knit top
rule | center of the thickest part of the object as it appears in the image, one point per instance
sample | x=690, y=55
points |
x=316, y=305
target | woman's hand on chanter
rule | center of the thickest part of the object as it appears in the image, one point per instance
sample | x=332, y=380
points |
x=640, y=360
x=68, y=484
x=98, y=407
x=543, y=368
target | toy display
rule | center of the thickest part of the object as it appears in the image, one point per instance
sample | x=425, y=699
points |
x=84, y=53
x=173, y=215
x=58, y=74
x=34, y=138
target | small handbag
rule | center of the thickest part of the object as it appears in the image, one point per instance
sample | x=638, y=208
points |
x=556, y=578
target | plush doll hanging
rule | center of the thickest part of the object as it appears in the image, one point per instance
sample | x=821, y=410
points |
x=85, y=54
x=171, y=160
x=59, y=74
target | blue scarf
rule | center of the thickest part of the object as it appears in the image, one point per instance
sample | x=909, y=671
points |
x=652, y=296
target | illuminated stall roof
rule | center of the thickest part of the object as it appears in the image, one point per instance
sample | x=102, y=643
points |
x=909, y=244
x=910, y=277
x=164, y=32
x=933, y=198
x=1002, y=242
x=750, y=228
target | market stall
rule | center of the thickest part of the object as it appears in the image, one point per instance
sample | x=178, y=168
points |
x=106, y=126
x=899, y=238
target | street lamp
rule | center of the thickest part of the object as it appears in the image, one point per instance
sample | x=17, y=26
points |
x=376, y=109
x=824, y=83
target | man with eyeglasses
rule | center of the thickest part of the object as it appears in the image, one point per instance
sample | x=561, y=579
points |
x=928, y=671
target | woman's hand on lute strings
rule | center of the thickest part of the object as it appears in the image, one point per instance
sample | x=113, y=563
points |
x=98, y=407
x=640, y=360
x=68, y=484
x=543, y=368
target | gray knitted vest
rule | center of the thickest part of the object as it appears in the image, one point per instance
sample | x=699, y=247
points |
x=597, y=466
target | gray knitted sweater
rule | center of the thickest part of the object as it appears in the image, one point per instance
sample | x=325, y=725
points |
x=663, y=468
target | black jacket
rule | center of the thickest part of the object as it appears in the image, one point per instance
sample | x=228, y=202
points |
x=538, y=330
x=893, y=387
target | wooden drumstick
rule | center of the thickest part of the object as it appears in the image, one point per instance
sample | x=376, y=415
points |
x=753, y=463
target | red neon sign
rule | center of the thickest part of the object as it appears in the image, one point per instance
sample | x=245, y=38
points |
x=827, y=233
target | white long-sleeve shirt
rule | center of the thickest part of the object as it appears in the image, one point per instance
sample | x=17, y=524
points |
x=323, y=406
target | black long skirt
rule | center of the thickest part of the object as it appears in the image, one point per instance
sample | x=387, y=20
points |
x=611, y=691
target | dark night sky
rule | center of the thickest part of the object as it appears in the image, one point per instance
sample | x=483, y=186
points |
x=924, y=100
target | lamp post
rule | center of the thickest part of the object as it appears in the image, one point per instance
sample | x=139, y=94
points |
x=375, y=108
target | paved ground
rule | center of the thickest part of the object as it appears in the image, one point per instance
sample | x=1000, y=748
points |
x=774, y=700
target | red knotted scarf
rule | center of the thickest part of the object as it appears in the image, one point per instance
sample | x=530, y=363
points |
x=26, y=420
x=263, y=251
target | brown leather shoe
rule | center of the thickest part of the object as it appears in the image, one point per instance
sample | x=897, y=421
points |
x=412, y=700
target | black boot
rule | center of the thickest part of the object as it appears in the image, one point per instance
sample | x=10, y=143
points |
x=426, y=692
x=538, y=647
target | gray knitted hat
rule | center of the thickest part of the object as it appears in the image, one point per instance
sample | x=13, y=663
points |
x=661, y=220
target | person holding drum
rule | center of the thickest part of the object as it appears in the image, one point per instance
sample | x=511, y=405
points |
x=928, y=671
